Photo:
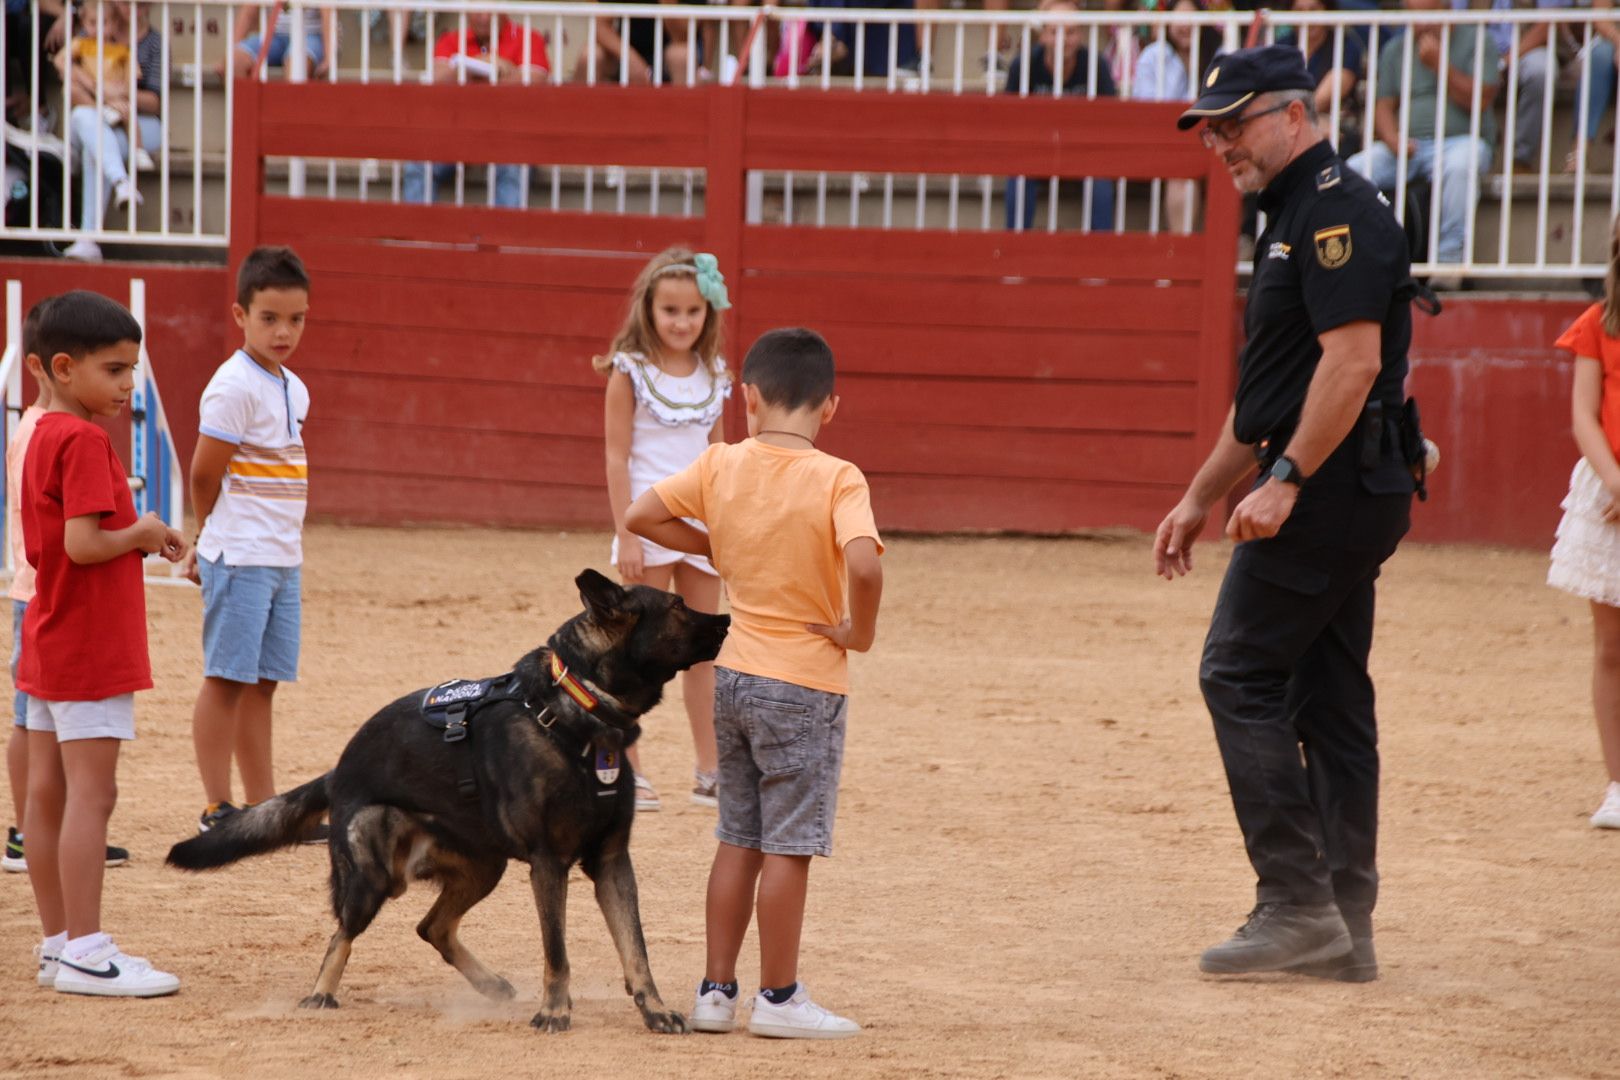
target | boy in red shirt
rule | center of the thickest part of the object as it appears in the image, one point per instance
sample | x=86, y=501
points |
x=84, y=639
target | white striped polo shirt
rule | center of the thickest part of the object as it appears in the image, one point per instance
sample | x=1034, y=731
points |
x=258, y=519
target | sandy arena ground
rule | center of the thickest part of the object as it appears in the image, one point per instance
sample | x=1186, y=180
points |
x=1034, y=843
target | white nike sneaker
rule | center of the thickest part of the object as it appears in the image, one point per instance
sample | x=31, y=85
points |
x=713, y=1012
x=1608, y=815
x=798, y=1018
x=47, y=966
x=107, y=972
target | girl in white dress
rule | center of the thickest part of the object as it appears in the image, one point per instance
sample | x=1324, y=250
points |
x=667, y=389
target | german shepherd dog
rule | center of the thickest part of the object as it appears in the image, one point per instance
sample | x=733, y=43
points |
x=534, y=775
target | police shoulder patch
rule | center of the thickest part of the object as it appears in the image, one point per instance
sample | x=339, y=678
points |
x=1333, y=246
x=1328, y=177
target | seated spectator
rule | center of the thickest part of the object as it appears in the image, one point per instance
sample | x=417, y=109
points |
x=1076, y=64
x=320, y=27
x=456, y=55
x=1537, y=47
x=1452, y=155
x=109, y=138
x=839, y=41
x=1333, y=81
x=1164, y=73
x=1600, y=78
x=643, y=41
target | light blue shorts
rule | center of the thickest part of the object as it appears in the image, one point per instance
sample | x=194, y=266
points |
x=108, y=718
x=251, y=617
x=19, y=700
x=280, y=44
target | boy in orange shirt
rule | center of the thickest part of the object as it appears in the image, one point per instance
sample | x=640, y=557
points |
x=790, y=530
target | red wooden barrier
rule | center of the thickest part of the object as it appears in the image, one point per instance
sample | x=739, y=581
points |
x=990, y=380
x=1494, y=392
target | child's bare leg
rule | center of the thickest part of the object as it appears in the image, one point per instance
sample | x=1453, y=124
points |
x=1605, y=686
x=728, y=909
x=17, y=773
x=702, y=593
x=784, y=881
x=658, y=577
x=91, y=767
x=213, y=735
x=253, y=740
x=47, y=793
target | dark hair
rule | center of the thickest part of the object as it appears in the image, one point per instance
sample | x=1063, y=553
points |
x=269, y=268
x=30, y=327
x=80, y=322
x=791, y=368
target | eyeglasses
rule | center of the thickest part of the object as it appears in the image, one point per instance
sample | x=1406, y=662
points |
x=1230, y=131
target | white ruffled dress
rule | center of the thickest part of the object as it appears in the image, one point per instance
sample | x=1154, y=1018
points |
x=670, y=428
x=1586, y=555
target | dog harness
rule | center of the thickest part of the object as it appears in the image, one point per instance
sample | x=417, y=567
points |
x=451, y=706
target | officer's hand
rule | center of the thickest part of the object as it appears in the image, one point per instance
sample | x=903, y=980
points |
x=1262, y=511
x=1172, y=544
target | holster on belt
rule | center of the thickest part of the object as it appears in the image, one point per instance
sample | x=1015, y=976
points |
x=1383, y=430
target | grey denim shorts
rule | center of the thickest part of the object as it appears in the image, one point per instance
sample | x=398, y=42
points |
x=781, y=750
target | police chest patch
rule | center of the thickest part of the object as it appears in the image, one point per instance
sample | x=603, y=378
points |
x=1333, y=246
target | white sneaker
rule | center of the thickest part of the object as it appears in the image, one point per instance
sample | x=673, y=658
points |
x=143, y=160
x=713, y=1012
x=47, y=966
x=615, y=176
x=124, y=191
x=83, y=250
x=1608, y=815
x=107, y=972
x=798, y=1018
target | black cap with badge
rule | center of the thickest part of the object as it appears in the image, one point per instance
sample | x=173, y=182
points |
x=1235, y=78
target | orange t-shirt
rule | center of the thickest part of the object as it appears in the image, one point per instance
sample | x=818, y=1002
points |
x=778, y=522
x=1585, y=337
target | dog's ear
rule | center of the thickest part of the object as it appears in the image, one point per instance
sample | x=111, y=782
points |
x=604, y=599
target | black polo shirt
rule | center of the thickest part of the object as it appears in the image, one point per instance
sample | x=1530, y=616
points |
x=1332, y=253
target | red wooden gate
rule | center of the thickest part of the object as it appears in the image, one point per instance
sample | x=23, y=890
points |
x=991, y=380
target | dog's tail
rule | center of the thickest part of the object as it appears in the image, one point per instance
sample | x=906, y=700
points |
x=275, y=823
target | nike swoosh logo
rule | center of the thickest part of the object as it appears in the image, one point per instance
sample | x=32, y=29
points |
x=111, y=972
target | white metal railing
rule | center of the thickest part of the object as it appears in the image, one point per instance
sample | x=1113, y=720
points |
x=1536, y=222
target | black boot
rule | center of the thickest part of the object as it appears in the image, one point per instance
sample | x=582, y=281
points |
x=1278, y=937
x=1359, y=965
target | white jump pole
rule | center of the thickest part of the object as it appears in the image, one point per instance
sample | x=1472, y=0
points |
x=11, y=383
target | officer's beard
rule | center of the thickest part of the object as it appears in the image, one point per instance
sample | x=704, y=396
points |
x=1250, y=179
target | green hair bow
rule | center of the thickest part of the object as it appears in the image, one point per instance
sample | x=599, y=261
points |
x=711, y=283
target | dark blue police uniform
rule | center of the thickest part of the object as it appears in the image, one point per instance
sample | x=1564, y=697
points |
x=1285, y=663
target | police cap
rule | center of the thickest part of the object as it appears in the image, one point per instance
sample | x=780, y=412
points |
x=1236, y=77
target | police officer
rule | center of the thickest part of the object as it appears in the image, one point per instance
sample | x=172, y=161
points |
x=1319, y=394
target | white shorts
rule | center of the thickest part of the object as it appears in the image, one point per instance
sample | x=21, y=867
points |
x=109, y=718
x=654, y=555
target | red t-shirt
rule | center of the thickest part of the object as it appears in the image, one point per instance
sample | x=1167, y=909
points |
x=1585, y=337
x=508, y=46
x=84, y=637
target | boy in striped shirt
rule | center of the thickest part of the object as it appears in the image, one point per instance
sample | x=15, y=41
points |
x=249, y=487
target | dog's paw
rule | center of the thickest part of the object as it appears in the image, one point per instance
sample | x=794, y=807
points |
x=319, y=1001
x=551, y=1023
x=498, y=989
x=665, y=1023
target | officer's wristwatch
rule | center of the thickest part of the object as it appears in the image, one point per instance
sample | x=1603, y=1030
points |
x=1287, y=471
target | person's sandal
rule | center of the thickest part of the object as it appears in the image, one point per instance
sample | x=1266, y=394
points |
x=705, y=788
x=647, y=799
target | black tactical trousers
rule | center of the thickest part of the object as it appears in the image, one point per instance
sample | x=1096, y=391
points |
x=1285, y=676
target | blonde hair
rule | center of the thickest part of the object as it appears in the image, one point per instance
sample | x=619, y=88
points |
x=1611, y=284
x=640, y=335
